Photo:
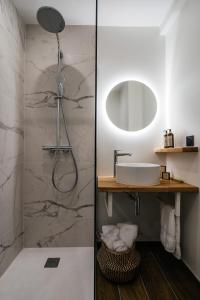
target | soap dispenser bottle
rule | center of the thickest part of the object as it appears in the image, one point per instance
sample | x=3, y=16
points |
x=170, y=139
x=165, y=139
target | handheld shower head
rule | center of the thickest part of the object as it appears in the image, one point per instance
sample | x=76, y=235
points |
x=50, y=19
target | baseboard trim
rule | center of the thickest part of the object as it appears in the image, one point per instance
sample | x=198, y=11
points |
x=191, y=270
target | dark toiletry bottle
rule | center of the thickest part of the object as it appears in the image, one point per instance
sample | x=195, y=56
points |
x=165, y=139
x=190, y=141
x=170, y=139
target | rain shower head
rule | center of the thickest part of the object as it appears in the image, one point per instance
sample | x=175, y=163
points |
x=50, y=19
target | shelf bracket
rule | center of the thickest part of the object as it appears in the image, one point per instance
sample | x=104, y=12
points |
x=109, y=203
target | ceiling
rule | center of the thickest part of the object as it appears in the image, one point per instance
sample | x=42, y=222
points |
x=110, y=12
x=133, y=12
x=75, y=12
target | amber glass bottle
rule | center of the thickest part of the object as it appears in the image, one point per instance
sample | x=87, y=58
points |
x=170, y=139
x=165, y=139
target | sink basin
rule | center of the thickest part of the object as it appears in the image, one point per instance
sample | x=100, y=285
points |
x=138, y=173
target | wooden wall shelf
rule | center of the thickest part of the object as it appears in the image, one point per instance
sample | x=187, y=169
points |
x=177, y=150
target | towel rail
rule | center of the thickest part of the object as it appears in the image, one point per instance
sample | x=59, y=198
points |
x=178, y=229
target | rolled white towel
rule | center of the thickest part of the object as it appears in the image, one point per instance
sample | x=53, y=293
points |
x=109, y=240
x=128, y=233
x=110, y=236
x=107, y=228
x=119, y=246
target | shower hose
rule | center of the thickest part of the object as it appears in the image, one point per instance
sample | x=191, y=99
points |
x=57, y=159
x=60, y=57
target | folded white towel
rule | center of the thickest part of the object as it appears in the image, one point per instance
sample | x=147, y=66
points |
x=119, y=246
x=177, y=252
x=128, y=233
x=168, y=228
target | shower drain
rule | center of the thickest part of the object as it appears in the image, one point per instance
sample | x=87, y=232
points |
x=52, y=262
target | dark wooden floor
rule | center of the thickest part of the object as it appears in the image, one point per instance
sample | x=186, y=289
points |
x=162, y=277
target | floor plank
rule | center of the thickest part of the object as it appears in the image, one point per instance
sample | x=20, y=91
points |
x=106, y=290
x=154, y=281
x=133, y=291
x=184, y=284
x=162, y=277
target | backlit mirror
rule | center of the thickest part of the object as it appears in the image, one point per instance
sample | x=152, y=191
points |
x=131, y=105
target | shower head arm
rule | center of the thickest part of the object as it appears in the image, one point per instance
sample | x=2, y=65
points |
x=60, y=55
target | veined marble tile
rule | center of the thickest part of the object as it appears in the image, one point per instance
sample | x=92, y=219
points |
x=52, y=218
x=11, y=23
x=10, y=245
x=11, y=197
x=54, y=212
x=11, y=132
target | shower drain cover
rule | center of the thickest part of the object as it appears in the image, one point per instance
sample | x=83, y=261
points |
x=52, y=262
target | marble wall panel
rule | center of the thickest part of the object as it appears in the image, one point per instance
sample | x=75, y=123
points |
x=12, y=53
x=52, y=218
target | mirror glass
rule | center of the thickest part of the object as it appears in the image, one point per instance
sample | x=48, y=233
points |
x=131, y=105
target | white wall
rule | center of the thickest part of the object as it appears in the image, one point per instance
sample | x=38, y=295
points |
x=183, y=88
x=129, y=53
x=124, y=54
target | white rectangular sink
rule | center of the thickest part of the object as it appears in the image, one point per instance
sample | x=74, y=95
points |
x=138, y=173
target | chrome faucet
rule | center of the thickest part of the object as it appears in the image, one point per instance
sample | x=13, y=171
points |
x=116, y=154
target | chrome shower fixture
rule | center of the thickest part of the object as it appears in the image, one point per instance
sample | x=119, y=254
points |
x=52, y=21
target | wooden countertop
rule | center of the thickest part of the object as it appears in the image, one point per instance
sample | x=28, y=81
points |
x=109, y=184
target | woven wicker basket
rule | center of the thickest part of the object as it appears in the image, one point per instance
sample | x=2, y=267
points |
x=118, y=267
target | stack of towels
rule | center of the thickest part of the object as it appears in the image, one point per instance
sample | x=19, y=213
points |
x=119, y=237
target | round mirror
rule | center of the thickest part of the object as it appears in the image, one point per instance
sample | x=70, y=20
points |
x=131, y=105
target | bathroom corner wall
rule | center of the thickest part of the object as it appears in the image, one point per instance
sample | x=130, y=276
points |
x=52, y=218
x=12, y=50
x=183, y=89
x=130, y=54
